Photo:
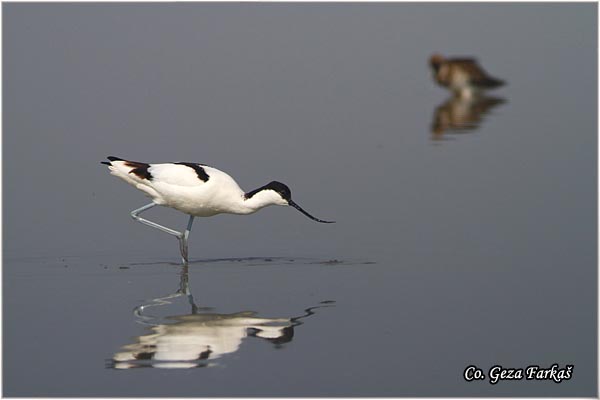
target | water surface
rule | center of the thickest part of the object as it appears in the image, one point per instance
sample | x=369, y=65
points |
x=465, y=234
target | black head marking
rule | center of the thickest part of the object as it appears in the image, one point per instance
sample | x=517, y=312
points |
x=278, y=187
x=202, y=175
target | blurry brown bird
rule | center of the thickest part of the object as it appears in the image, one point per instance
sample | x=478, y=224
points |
x=463, y=76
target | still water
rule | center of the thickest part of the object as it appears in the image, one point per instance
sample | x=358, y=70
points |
x=465, y=234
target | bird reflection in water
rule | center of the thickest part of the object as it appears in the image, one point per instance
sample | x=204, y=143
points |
x=461, y=115
x=196, y=339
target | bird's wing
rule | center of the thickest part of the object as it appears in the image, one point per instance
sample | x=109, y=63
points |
x=180, y=174
x=477, y=74
x=471, y=67
x=466, y=60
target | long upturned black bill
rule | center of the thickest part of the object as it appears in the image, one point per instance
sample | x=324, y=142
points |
x=297, y=207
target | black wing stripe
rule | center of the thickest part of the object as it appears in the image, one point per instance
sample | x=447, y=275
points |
x=202, y=175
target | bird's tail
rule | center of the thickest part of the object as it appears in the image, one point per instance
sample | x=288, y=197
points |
x=491, y=83
x=111, y=158
x=135, y=173
x=132, y=172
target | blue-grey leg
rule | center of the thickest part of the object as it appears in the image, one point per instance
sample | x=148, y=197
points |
x=183, y=241
x=181, y=236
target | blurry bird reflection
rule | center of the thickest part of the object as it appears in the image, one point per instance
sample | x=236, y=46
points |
x=461, y=115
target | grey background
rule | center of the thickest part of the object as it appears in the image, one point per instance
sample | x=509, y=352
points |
x=480, y=249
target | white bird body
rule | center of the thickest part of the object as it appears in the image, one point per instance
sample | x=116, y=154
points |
x=197, y=190
x=178, y=186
